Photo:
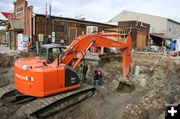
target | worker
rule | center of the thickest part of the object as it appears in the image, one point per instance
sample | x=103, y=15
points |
x=49, y=39
x=101, y=82
x=98, y=77
x=85, y=69
x=46, y=40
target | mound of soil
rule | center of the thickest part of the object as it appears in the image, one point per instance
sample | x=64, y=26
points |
x=6, y=60
x=149, y=107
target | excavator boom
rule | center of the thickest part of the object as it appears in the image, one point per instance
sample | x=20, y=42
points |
x=83, y=43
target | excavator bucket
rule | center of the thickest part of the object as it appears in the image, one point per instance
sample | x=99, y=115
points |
x=125, y=86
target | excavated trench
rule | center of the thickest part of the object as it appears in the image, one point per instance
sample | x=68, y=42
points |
x=156, y=85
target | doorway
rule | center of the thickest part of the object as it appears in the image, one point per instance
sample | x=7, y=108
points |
x=72, y=33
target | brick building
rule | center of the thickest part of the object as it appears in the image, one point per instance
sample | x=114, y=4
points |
x=19, y=22
x=139, y=32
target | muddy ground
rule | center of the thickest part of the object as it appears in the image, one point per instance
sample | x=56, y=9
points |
x=156, y=85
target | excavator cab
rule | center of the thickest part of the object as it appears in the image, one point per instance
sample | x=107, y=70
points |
x=51, y=51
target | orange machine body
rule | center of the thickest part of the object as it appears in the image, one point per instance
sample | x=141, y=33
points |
x=35, y=77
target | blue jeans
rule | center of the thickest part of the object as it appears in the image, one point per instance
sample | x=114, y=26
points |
x=98, y=82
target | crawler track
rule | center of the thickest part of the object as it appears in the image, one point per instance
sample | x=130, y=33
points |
x=28, y=107
x=7, y=89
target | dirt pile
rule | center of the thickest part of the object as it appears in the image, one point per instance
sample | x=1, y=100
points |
x=154, y=68
x=156, y=85
x=6, y=68
x=6, y=76
x=7, y=60
x=161, y=79
x=145, y=108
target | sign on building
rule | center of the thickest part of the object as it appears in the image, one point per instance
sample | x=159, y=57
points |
x=23, y=42
x=53, y=37
x=41, y=37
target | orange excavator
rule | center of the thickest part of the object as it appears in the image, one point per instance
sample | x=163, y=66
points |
x=36, y=77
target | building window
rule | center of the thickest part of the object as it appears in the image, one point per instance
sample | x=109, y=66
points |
x=59, y=28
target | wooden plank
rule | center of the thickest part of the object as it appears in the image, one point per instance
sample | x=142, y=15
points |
x=141, y=38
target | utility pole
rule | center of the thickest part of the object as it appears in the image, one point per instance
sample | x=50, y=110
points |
x=45, y=34
x=49, y=27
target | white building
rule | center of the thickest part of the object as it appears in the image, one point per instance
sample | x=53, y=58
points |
x=162, y=25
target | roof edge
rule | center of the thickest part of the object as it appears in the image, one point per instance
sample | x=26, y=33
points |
x=68, y=18
x=146, y=14
x=173, y=21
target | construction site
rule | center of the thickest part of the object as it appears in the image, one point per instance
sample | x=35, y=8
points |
x=154, y=86
x=55, y=67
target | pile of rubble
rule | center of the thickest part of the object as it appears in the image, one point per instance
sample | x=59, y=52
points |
x=157, y=80
x=7, y=57
x=7, y=60
x=160, y=77
x=149, y=106
x=6, y=68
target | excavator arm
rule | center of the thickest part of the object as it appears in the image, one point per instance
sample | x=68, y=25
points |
x=84, y=42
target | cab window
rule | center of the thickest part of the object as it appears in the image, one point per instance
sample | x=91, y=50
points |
x=43, y=52
x=53, y=53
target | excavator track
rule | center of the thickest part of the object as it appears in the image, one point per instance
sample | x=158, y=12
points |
x=30, y=107
x=7, y=89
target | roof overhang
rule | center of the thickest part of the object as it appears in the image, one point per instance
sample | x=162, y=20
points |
x=15, y=25
x=162, y=36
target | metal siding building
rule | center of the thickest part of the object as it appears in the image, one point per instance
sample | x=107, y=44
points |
x=162, y=25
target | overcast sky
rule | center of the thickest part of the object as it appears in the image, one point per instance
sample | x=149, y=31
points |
x=102, y=10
